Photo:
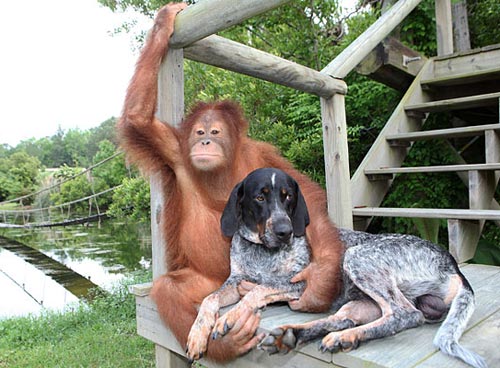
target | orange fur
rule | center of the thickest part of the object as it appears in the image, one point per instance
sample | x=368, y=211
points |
x=197, y=253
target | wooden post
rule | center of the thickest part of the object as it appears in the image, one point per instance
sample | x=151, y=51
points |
x=338, y=184
x=170, y=109
x=461, y=36
x=444, y=27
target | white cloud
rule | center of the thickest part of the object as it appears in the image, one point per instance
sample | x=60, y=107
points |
x=59, y=66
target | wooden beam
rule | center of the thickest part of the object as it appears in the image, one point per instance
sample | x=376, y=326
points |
x=392, y=64
x=444, y=27
x=234, y=56
x=347, y=60
x=208, y=17
x=337, y=160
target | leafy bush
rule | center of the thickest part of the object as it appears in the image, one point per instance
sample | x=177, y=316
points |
x=131, y=200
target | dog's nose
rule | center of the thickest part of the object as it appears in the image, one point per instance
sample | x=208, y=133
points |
x=283, y=230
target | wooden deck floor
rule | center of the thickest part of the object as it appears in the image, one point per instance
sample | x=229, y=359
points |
x=411, y=348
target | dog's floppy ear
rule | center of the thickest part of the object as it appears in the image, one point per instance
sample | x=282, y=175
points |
x=232, y=212
x=300, y=218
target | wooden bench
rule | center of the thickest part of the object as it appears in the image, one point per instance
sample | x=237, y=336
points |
x=410, y=348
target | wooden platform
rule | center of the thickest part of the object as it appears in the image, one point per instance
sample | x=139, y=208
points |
x=411, y=348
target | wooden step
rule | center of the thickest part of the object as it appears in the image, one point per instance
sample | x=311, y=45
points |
x=431, y=169
x=462, y=103
x=462, y=78
x=439, y=213
x=464, y=68
x=468, y=131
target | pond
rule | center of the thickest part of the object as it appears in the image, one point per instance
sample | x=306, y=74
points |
x=51, y=267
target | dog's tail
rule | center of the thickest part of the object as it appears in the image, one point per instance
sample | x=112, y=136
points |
x=453, y=326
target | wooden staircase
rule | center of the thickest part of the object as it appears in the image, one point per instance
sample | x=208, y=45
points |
x=460, y=83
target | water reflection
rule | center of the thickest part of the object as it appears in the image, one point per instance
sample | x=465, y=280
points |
x=103, y=254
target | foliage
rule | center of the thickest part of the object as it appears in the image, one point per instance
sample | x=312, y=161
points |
x=79, y=337
x=483, y=17
x=111, y=172
x=72, y=148
x=132, y=200
x=18, y=175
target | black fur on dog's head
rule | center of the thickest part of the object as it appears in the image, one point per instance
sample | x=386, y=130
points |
x=267, y=207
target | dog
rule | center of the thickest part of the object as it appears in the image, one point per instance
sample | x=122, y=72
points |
x=266, y=216
x=391, y=283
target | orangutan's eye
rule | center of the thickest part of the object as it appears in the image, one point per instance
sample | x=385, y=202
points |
x=200, y=132
x=215, y=131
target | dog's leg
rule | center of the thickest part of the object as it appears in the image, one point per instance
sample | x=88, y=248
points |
x=200, y=331
x=397, y=312
x=257, y=298
x=287, y=337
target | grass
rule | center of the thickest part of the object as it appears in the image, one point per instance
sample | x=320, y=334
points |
x=97, y=334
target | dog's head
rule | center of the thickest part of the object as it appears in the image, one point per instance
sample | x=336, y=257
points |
x=267, y=207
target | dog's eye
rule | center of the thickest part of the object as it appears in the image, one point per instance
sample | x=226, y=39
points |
x=259, y=198
x=289, y=197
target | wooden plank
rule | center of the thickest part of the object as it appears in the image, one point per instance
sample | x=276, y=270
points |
x=370, y=193
x=151, y=327
x=433, y=169
x=234, y=56
x=337, y=160
x=399, y=350
x=462, y=103
x=208, y=17
x=411, y=347
x=444, y=27
x=483, y=339
x=482, y=336
x=476, y=65
x=347, y=60
x=442, y=213
x=140, y=289
x=444, y=133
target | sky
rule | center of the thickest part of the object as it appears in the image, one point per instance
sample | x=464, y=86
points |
x=60, y=67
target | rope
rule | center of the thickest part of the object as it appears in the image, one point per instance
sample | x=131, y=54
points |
x=63, y=181
x=59, y=205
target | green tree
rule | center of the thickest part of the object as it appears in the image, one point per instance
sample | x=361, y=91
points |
x=18, y=175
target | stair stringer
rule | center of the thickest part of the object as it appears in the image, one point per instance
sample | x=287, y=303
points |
x=366, y=193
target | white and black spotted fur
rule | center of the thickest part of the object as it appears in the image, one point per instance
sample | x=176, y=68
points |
x=403, y=281
x=266, y=216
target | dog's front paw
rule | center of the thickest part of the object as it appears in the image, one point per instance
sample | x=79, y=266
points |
x=280, y=340
x=198, y=336
x=340, y=341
